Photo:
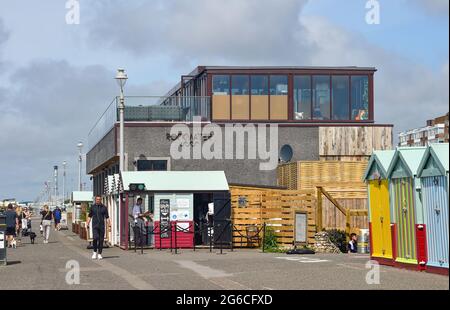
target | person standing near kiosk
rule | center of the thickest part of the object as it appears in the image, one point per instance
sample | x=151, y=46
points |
x=98, y=215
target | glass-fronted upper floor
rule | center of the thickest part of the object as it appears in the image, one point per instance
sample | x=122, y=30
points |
x=343, y=94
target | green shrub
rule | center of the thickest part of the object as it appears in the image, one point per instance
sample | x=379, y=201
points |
x=270, y=240
x=338, y=237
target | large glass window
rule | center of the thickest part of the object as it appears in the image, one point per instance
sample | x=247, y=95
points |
x=260, y=97
x=321, y=97
x=260, y=85
x=240, y=85
x=151, y=165
x=278, y=85
x=302, y=97
x=360, y=98
x=221, y=85
x=341, y=97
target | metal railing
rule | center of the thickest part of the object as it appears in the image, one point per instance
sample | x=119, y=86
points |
x=151, y=109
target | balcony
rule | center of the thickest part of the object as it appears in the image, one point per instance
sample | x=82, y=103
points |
x=151, y=109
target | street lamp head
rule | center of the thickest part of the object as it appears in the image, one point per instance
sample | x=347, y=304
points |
x=121, y=77
x=80, y=145
x=64, y=163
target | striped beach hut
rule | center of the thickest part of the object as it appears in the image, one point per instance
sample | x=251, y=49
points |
x=407, y=216
x=376, y=178
x=434, y=176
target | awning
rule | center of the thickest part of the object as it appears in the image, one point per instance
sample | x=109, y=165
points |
x=175, y=181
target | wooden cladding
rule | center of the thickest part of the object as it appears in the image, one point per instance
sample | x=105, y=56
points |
x=353, y=141
x=329, y=174
x=276, y=208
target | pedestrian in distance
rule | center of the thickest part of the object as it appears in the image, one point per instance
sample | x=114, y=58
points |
x=353, y=244
x=139, y=222
x=12, y=223
x=98, y=215
x=19, y=213
x=47, y=217
x=57, y=216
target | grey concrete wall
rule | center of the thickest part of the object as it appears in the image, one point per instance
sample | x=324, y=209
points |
x=102, y=152
x=152, y=142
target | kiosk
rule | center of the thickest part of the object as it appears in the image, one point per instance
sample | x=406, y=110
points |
x=177, y=202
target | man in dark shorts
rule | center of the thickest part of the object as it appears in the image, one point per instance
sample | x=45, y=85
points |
x=12, y=223
x=98, y=215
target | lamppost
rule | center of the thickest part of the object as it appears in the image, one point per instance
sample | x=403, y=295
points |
x=121, y=78
x=64, y=183
x=80, y=159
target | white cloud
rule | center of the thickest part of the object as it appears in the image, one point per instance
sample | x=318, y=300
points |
x=52, y=106
x=202, y=30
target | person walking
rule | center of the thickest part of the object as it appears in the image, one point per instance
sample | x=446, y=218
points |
x=12, y=223
x=57, y=216
x=47, y=217
x=98, y=215
x=19, y=213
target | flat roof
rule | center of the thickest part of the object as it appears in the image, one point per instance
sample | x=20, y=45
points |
x=201, y=68
x=176, y=181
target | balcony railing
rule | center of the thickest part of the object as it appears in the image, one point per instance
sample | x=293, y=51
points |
x=151, y=109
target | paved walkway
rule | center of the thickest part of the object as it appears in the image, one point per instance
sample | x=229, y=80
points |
x=43, y=266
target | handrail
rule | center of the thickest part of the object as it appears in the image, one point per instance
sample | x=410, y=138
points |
x=346, y=211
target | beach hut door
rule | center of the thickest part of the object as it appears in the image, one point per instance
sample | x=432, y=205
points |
x=436, y=208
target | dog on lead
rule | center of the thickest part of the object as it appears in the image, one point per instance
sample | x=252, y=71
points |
x=32, y=237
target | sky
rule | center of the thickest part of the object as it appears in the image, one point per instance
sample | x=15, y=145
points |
x=57, y=78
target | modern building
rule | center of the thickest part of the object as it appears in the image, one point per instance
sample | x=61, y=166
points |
x=436, y=131
x=322, y=113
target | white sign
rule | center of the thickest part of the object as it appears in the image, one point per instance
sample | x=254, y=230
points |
x=300, y=227
x=183, y=203
x=211, y=208
x=2, y=240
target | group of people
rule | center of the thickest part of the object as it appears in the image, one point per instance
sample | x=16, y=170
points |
x=18, y=223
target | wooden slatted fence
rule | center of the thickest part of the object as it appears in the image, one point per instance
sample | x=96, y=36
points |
x=276, y=208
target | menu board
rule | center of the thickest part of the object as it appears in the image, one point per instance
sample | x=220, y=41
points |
x=164, y=217
x=300, y=227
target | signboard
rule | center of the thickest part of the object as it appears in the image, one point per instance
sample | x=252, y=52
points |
x=2, y=240
x=301, y=226
x=64, y=220
x=164, y=217
x=182, y=203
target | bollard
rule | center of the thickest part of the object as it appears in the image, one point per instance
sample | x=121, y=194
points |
x=264, y=237
x=176, y=241
x=210, y=239
x=135, y=238
x=194, y=238
x=160, y=234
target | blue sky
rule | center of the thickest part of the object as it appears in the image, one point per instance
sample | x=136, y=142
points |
x=404, y=29
x=51, y=71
